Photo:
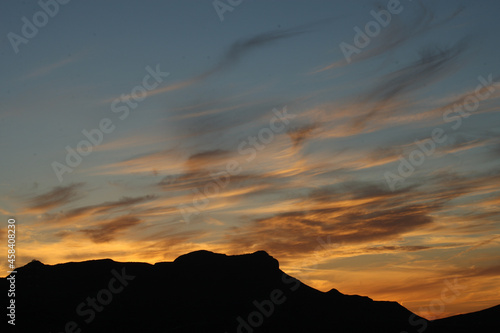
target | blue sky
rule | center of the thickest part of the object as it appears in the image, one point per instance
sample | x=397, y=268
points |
x=336, y=156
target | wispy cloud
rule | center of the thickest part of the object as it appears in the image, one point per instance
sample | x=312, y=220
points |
x=108, y=231
x=477, y=245
x=79, y=213
x=57, y=197
x=433, y=65
x=49, y=68
x=399, y=31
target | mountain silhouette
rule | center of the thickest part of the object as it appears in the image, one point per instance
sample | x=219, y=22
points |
x=481, y=321
x=208, y=292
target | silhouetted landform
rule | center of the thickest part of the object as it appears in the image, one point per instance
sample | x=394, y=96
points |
x=205, y=292
x=487, y=320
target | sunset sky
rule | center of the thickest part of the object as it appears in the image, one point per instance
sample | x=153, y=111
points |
x=366, y=162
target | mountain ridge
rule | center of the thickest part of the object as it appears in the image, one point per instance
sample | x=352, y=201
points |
x=200, y=290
